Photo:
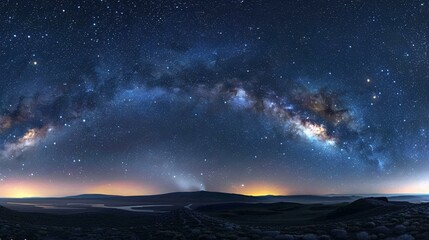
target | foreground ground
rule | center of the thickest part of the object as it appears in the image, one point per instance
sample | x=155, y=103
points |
x=211, y=215
x=411, y=222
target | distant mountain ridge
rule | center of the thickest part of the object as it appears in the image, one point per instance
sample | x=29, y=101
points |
x=208, y=196
x=86, y=196
x=366, y=207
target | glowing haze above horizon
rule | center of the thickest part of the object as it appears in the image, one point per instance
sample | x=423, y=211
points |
x=252, y=97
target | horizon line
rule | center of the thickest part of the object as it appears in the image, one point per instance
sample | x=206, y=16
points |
x=247, y=195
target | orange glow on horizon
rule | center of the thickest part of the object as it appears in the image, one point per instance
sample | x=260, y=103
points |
x=124, y=188
x=40, y=188
x=25, y=189
x=259, y=189
x=20, y=191
x=416, y=187
x=14, y=188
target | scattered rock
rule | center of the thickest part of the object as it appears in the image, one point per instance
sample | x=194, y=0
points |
x=310, y=236
x=339, y=233
x=271, y=233
x=381, y=229
x=211, y=237
x=284, y=237
x=325, y=237
x=400, y=229
x=256, y=230
x=405, y=237
x=362, y=236
x=370, y=224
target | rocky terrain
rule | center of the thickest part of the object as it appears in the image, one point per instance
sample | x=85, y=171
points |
x=411, y=222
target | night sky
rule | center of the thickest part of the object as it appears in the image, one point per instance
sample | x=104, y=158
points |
x=252, y=97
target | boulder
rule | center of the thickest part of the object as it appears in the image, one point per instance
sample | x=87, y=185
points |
x=339, y=233
x=362, y=236
x=310, y=236
x=400, y=229
x=381, y=229
x=271, y=233
x=284, y=237
x=405, y=237
x=325, y=237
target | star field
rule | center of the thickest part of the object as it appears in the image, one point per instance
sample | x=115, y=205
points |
x=272, y=97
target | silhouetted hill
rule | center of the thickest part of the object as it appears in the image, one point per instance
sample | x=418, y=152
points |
x=195, y=197
x=199, y=196
x=207, y=197
x=310, y=198
x=366, y=207
x=87, y=196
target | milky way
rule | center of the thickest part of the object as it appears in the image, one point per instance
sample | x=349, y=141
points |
x=300, y=97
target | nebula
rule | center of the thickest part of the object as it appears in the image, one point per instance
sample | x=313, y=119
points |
x=30, y=138
x=303, y=114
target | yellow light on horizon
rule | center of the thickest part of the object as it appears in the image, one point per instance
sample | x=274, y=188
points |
x=28, y=189
x=44, y=188
x=20, y=192
x=259, y=189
